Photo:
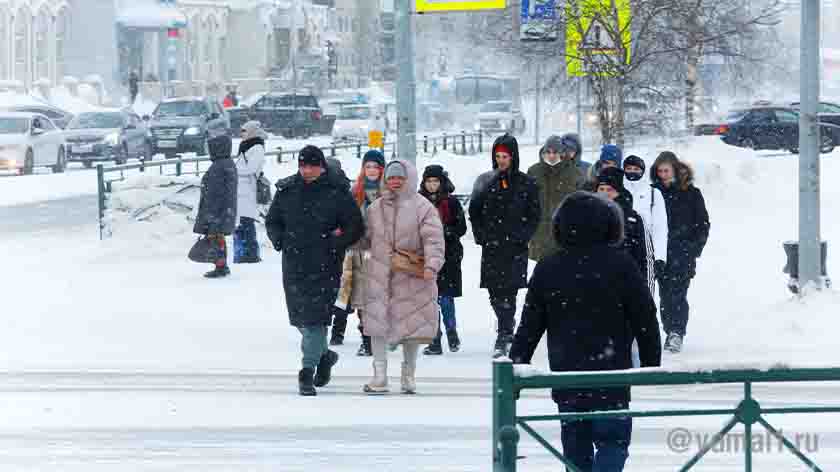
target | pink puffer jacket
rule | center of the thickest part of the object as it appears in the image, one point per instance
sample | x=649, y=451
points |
x=397, y=305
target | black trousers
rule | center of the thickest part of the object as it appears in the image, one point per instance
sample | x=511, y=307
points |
x=673, y=295
x=504, y=304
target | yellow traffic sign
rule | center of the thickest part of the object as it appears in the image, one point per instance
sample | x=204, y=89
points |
x=591, y=30
x=425, y=6
x=376, y=139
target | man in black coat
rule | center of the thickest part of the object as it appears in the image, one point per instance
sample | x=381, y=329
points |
x=688, y=231
x=216, y=217
x=591, y=299
x=505, y=212
x=312, y=221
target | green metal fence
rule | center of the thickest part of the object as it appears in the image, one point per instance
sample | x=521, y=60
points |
x=509, y=381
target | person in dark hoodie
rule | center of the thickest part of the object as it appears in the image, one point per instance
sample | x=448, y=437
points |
x=558, y=174
x=611, y=185
x=438, y=189
x=505, y=212
x=611, y=156
x=688, y=231
x=592, y=301
x=216, y=217
x=313, y=220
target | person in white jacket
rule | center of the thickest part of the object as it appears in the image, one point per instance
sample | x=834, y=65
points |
x=249, y=164
x=649, y=204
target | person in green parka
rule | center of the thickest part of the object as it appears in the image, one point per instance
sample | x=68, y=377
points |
x=559, y=173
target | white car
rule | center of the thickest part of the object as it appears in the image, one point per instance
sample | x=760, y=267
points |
x=353, y=123
x=29, y=140
x=499, y=117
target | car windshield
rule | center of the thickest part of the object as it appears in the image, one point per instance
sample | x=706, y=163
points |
x=97, y=120
x=354, y=113
x=14, y=125
x=185, y=108
x=735, y=115
x=495, y=107
x=304, y=101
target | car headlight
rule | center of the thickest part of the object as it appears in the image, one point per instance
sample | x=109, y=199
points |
x=112, y=139
x=192, y=131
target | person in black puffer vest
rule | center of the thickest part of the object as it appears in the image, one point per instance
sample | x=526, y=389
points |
x=438, y=189
x=505, y=212
x=216, y=217
x=592, y=301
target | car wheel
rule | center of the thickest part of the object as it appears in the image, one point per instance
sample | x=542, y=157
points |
x=748, y=143
x=60, y=161
x=28, y=162
x=827, y=145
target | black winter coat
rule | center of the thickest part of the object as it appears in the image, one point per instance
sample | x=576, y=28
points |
x=450, y=280
x=300, y=224
x=217, y=204
x=688, y=224
x=634, y=243
x=504, y=220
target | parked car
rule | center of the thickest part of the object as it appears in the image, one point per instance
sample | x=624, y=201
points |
x=500, y=117
x=828, y=113
x=289, y=114
x=767, y=127
x=181, y=125
x=107, y=136
x=59, y=117
x=353, y=123
x=29, y=140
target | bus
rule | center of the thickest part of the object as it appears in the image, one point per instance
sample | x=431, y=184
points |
x=471, y=92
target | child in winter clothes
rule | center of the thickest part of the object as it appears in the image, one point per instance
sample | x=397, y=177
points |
x=438, y=189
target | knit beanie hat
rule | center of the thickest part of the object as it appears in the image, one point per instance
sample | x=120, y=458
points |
x=395, y=169
x=374, y=155
x=613, y=177
x=611, y=152
x=633, y=160
x=312, y=156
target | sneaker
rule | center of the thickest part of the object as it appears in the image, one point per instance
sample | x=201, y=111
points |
x=502, y=346
x=324, y=372
x=218, y=272
x=453, y=340
x=674, y=343
x=433, y=349
x=364, y=349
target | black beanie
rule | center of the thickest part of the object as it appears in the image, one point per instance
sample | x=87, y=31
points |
x=613, y=177
x=633, y=160
x=312, y=156
x=374, y=155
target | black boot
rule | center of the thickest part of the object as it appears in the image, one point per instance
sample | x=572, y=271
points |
x=305, y=386
x=322, y=376
x=434, y=349
x=364, y=349
x=218, y=273
x=454, y=340
x=336, y=339
x=338, y=327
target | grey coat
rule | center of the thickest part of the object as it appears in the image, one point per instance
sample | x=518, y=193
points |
x=217, y=205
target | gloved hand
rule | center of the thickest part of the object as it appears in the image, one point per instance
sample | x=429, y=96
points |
x=659, y=269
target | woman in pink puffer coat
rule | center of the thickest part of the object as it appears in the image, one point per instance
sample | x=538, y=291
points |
x=401, y=308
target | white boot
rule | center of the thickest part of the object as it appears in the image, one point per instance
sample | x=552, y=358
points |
x=379, y=383
x=409, y=367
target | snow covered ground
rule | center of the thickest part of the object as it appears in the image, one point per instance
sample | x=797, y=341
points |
x=118, y=355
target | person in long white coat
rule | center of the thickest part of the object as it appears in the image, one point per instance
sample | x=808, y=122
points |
x=249, y=164
x=649, y=204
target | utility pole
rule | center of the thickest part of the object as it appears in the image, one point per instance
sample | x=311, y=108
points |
x=539, y=98
x=406, y=109
x=809, y=147
x=579, y=110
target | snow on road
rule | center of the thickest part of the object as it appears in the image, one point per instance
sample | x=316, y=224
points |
x=118, y=355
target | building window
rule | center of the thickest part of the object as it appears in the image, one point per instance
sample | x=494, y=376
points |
x=4, y=48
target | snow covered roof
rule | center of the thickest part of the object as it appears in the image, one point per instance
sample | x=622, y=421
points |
x=150, y=14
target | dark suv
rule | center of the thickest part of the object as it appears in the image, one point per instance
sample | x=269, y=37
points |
x=181, y=125
x=289, y=114
x=768, y=127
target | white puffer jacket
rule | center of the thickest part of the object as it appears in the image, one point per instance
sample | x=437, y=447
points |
x=649, y=204
x=249, y=166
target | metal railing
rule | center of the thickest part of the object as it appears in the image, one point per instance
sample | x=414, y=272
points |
x=460, y=143
x=507, y=382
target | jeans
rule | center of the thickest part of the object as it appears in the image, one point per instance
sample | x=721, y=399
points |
x=245, y=244
x=599, y=445
x=673, y=294
x=504, y=304
x=313, y=344
x=447, y=311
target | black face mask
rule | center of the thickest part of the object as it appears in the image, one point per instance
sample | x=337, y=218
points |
x=633, y=176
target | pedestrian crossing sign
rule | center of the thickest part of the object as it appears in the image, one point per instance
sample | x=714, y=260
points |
x=430, y=6
x=597, y=32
